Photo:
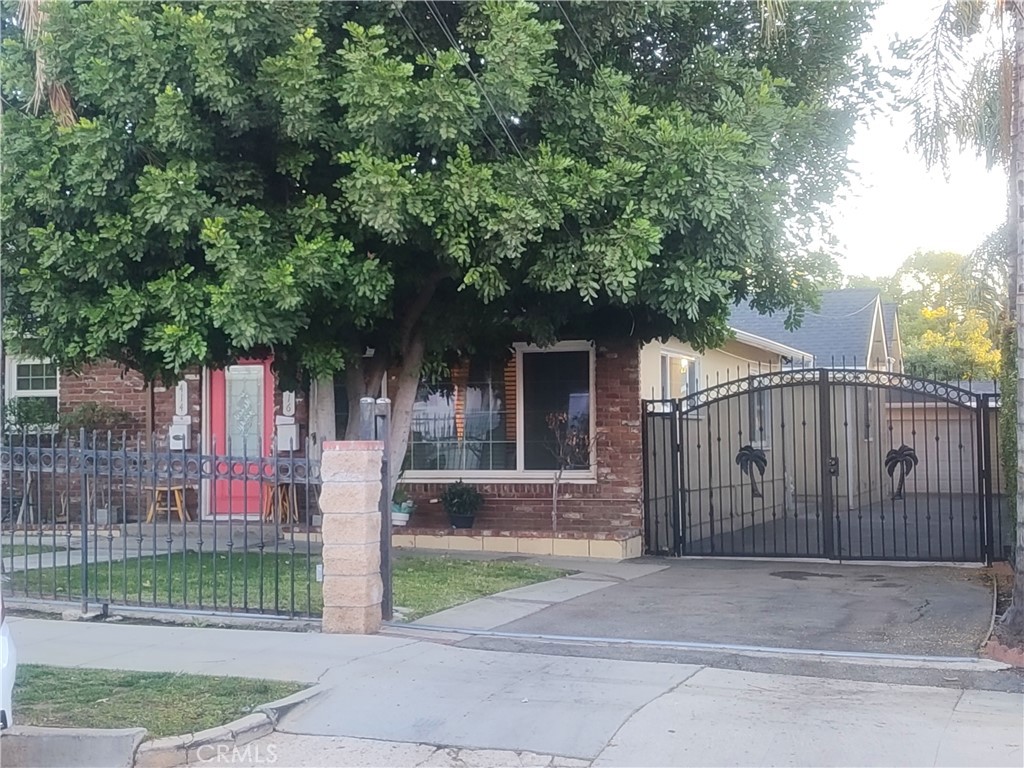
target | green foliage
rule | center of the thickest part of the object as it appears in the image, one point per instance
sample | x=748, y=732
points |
x=98, y=418
x=29, y=413
x=951, y=348
x=461, y=499
x=295, y=177
x=949, y=307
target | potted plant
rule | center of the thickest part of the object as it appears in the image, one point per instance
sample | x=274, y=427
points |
x=401, y=506
x=461, y=502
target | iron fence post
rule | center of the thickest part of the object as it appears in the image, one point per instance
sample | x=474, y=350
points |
x=375, y=424
x=84, y=520
x=678, y=503
x=646, y=469
x=985, y=461
x=382, y=422
x=825, y=437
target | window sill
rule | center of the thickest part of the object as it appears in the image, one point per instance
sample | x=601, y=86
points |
x=478, y=477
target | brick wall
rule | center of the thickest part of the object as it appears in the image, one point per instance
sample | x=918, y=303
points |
x=163, y=409
x=108, y=385
x=612, y=504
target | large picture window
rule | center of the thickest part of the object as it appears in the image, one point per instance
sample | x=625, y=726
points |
x=509, y=417
x=464, y=422
x=556, y=399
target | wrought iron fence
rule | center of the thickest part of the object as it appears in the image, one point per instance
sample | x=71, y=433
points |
x=104, y=519
x=851, y=464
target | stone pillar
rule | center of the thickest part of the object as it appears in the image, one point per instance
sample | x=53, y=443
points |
x=349, y=502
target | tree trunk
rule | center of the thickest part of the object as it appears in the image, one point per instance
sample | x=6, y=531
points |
x=554, y=499
x=360, y=381
x=1014, y=620
x=321, y=420
x=407, y=384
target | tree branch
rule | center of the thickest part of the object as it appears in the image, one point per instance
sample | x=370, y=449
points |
x=416, y=309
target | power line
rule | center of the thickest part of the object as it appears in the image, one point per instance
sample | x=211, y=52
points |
x=483, y=91
x=572, y=26
x=433, y=60
x=465, y=60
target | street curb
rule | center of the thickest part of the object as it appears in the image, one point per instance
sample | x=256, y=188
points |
x=28, y=746
x=206, y=746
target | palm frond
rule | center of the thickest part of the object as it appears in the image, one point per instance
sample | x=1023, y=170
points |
x=32, y=18
x=984, y=117
x=939, y=94
x=986, y=273
x=772, y=13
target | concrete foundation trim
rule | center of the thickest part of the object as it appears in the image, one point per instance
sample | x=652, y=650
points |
x=602, y=549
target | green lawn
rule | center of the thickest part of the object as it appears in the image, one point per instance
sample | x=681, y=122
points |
x=246, y=581
x=165, y=704
x=9, y=550
x=425, y=585
x=238, y=582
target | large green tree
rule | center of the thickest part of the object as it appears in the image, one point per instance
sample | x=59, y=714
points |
x=315, y=179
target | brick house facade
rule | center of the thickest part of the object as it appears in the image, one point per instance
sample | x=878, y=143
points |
x=607, y=506
x=599, y=509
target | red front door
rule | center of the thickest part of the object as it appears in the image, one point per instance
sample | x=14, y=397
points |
x=242, y=427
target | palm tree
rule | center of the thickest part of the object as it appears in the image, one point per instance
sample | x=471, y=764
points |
x=980, y=104
x=749, y=458
x=904, y=459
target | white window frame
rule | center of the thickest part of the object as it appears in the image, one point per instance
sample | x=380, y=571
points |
x=573, y=476
x=11, y=391
x=693, y=372
x=760, y=438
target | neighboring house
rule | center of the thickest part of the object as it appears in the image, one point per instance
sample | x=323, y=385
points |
x=853, y=328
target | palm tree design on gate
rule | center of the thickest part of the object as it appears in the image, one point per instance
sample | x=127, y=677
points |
x=904, y=459
x=749, y=458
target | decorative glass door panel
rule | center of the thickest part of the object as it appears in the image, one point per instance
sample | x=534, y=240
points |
x=241, y=423
x=244, y=410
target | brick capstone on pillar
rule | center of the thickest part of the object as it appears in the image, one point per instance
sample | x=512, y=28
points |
x=349, y=501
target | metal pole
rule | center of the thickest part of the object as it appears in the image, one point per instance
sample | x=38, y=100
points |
x=367, y=407
x=84, y=521
x=825, y=437
x=985, y=440
x=382, y=422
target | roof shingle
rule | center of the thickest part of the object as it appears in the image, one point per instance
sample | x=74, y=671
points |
x=838, y=333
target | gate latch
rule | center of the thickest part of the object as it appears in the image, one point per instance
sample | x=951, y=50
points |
x=833, y=466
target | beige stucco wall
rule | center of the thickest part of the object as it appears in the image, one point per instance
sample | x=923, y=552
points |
x=735, y=360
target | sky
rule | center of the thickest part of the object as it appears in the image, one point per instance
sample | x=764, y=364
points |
x=897, y=206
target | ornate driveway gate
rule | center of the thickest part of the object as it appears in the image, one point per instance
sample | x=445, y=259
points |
x=849, y=464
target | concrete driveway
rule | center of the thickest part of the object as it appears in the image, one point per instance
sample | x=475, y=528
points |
x=934, y=611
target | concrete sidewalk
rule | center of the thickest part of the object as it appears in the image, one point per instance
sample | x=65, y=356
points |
x=605, y=712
